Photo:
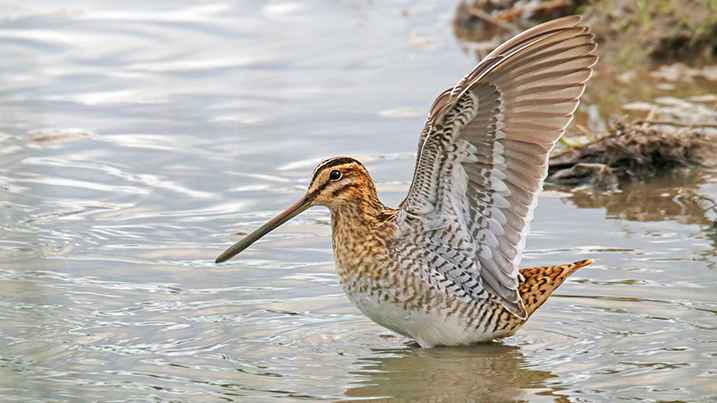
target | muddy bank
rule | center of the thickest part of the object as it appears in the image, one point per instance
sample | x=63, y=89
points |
x=634, y=152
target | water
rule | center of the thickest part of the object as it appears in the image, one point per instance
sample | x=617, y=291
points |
x=139, y=140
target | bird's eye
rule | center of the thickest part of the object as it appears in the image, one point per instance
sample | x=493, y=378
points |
x=335, y=175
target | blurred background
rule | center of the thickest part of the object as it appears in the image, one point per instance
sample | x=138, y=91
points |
x=140, y=139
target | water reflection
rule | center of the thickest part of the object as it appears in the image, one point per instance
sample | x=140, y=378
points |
x=481, y=373
x=683, y=197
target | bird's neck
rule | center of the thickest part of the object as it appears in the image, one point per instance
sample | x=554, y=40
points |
x=360, y=216
x=361, y=230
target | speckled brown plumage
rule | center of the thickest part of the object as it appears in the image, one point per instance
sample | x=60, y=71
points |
x=540, y=282
x=362, y=230
x=537, y=285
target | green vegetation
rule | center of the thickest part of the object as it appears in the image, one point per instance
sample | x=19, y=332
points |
x=663, y=30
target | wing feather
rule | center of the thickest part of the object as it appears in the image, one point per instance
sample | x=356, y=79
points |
x=482, y=159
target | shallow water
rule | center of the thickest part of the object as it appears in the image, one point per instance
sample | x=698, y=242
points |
x=137, y=142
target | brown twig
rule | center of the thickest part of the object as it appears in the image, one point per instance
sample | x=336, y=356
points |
x=545, y=5
x=584, y=130
x=649, y=117
x=478, y=13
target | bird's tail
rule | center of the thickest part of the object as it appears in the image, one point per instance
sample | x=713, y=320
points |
x=540, y=282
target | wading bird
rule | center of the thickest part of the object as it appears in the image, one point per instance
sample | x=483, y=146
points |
x=442, y=268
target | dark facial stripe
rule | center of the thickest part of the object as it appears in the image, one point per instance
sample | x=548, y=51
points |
x=318, y=190
x=346, y=187
x=333, y=162
x=323, y=186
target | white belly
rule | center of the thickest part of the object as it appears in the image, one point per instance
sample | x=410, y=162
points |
x=428, y=328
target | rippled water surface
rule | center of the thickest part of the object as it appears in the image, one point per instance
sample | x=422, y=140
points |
x=139, y=139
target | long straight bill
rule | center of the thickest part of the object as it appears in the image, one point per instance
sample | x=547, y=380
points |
x=287, y=215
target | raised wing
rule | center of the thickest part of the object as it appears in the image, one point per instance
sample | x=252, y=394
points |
x=483, y=156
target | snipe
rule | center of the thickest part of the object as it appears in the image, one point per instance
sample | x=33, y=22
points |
x=442, y=268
